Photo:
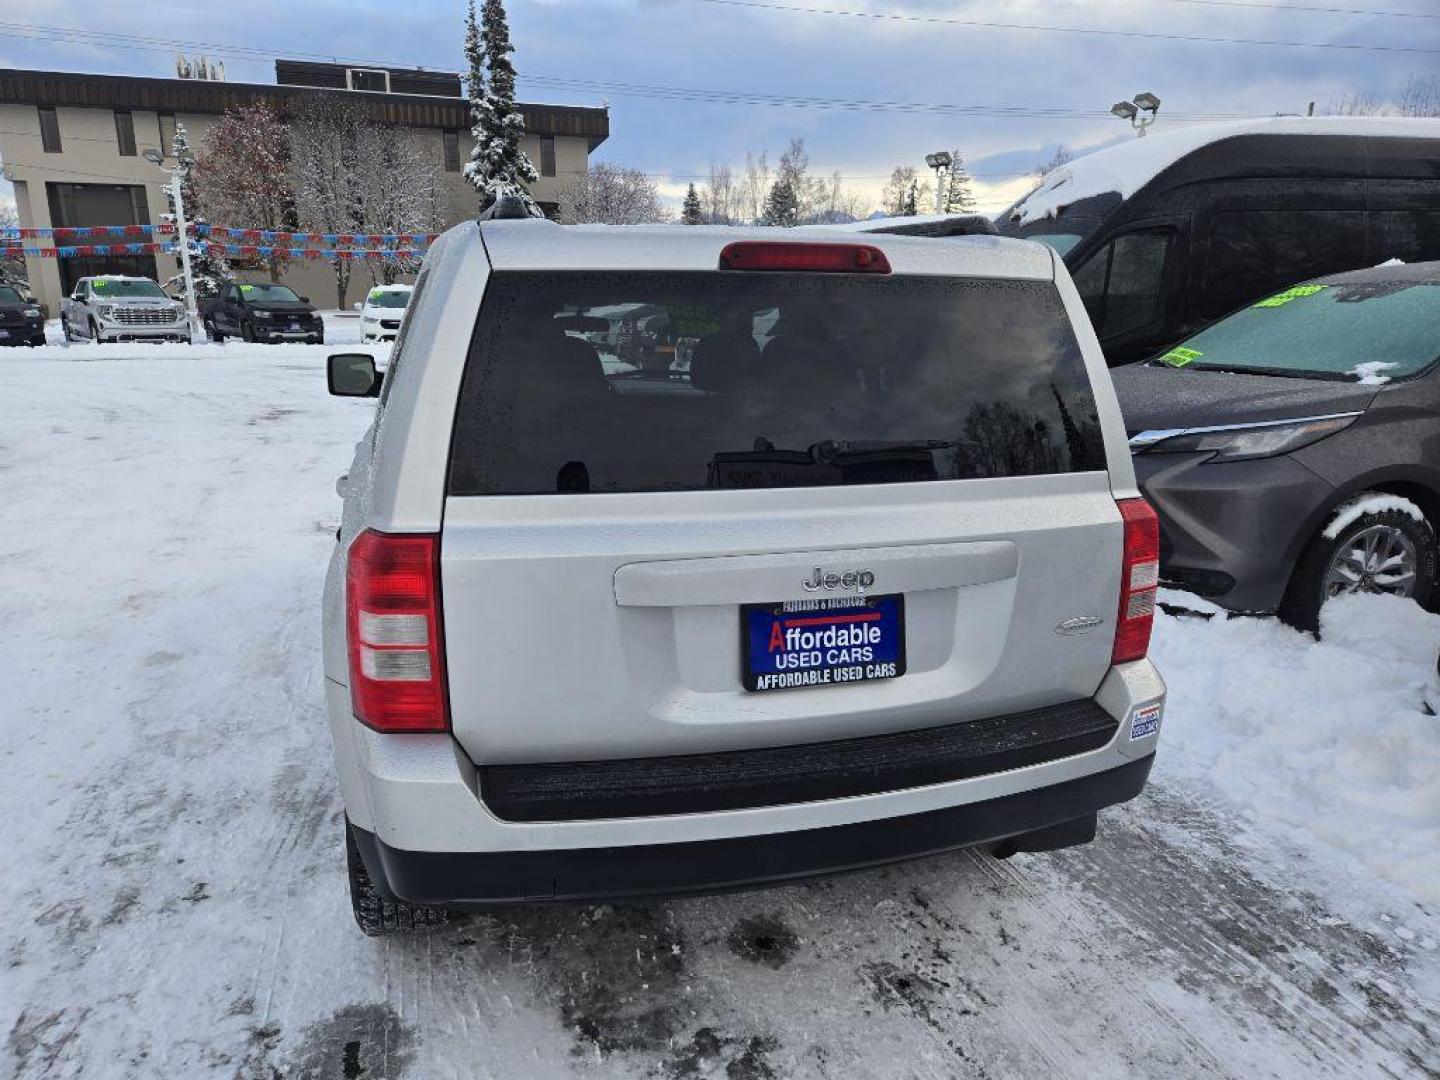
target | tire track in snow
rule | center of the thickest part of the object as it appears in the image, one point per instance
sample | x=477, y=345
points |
x=1278, y=956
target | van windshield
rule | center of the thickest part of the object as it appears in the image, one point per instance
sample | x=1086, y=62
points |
x=9, y=295
x=1371, y=331
x=1060, y=242
x=1063, y=233
x=624, y=382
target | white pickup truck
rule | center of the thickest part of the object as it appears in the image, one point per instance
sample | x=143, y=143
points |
x=112, y=307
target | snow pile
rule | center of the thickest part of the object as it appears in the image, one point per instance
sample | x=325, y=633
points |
x=1358, y=507
x=1127, y=167
x=1321, y=741
x=1371, y=372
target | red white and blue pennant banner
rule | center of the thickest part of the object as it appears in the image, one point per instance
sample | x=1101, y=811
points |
x=85, y=250
x=274, y=238
x=90, y=232
x=261, y=243
x=262, y=251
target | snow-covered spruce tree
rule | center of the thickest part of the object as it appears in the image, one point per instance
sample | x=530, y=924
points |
x=960, y=189
x=209, y=270
x=498, y=166
x=690, y=210
x=781, y=206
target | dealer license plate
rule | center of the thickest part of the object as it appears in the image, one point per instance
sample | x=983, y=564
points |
x=830, y=642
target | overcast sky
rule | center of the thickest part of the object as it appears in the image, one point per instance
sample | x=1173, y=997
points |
x=765, y=47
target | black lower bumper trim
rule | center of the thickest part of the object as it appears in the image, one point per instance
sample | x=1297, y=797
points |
x=777, y=775
x=458, y=879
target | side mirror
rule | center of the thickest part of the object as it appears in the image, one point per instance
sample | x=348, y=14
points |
x=352, y=375
x=359, y=306
x=304, y=299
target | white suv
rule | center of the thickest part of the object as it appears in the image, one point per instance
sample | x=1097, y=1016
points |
x=871, y=579
x=383, y=311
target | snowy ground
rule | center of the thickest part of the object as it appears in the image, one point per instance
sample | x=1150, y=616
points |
x=173, y=886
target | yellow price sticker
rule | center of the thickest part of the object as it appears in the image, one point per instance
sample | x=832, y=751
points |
x=1181, y=357
x=1297, y=293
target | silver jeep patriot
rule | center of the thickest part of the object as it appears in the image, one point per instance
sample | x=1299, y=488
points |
x=848, y=567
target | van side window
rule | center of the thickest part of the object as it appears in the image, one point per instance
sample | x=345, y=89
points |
x=1122, y=284
x=1254, y=253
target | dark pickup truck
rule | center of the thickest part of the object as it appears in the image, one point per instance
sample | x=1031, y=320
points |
x=262, y=312
x=21, y=320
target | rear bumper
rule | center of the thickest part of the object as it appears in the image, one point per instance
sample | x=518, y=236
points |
x=422, y=794
x=475, y=878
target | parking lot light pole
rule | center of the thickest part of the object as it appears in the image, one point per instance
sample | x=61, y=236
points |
x=940, y=161
x=155, y=157
x=1134, y=111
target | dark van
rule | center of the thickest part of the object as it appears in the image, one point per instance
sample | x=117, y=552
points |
x=1166, y=234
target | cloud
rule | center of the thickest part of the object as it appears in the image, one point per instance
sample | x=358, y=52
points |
x=1060, y=84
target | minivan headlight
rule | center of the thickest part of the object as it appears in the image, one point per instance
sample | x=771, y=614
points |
x=1245, y=442
x=261, y=314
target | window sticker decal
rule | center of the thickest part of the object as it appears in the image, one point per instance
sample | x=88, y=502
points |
x=1296, y=293
x=1180, y=357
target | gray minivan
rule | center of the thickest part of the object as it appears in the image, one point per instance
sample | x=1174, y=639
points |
x=870, y=578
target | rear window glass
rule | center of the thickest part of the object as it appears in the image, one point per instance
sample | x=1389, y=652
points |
x=1369, y=331
x=620, y=382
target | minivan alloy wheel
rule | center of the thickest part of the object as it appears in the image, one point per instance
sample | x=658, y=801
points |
x=1379, y=559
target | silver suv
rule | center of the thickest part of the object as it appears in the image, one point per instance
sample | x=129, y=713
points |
x=869, y=579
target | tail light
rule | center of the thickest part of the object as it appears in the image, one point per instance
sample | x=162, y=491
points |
x=392, y=623
x=831, y=258
x=1141, y=577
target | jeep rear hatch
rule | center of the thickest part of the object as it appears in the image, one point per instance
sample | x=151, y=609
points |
x=699, y=511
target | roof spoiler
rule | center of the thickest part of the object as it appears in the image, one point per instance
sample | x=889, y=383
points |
x=960, y=225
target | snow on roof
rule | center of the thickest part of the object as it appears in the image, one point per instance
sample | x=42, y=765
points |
x=1129, y=166
x=532, y=244
x=872, y=224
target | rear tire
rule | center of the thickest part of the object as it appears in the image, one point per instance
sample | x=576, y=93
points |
x=1328, y=561
x=376, y=914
